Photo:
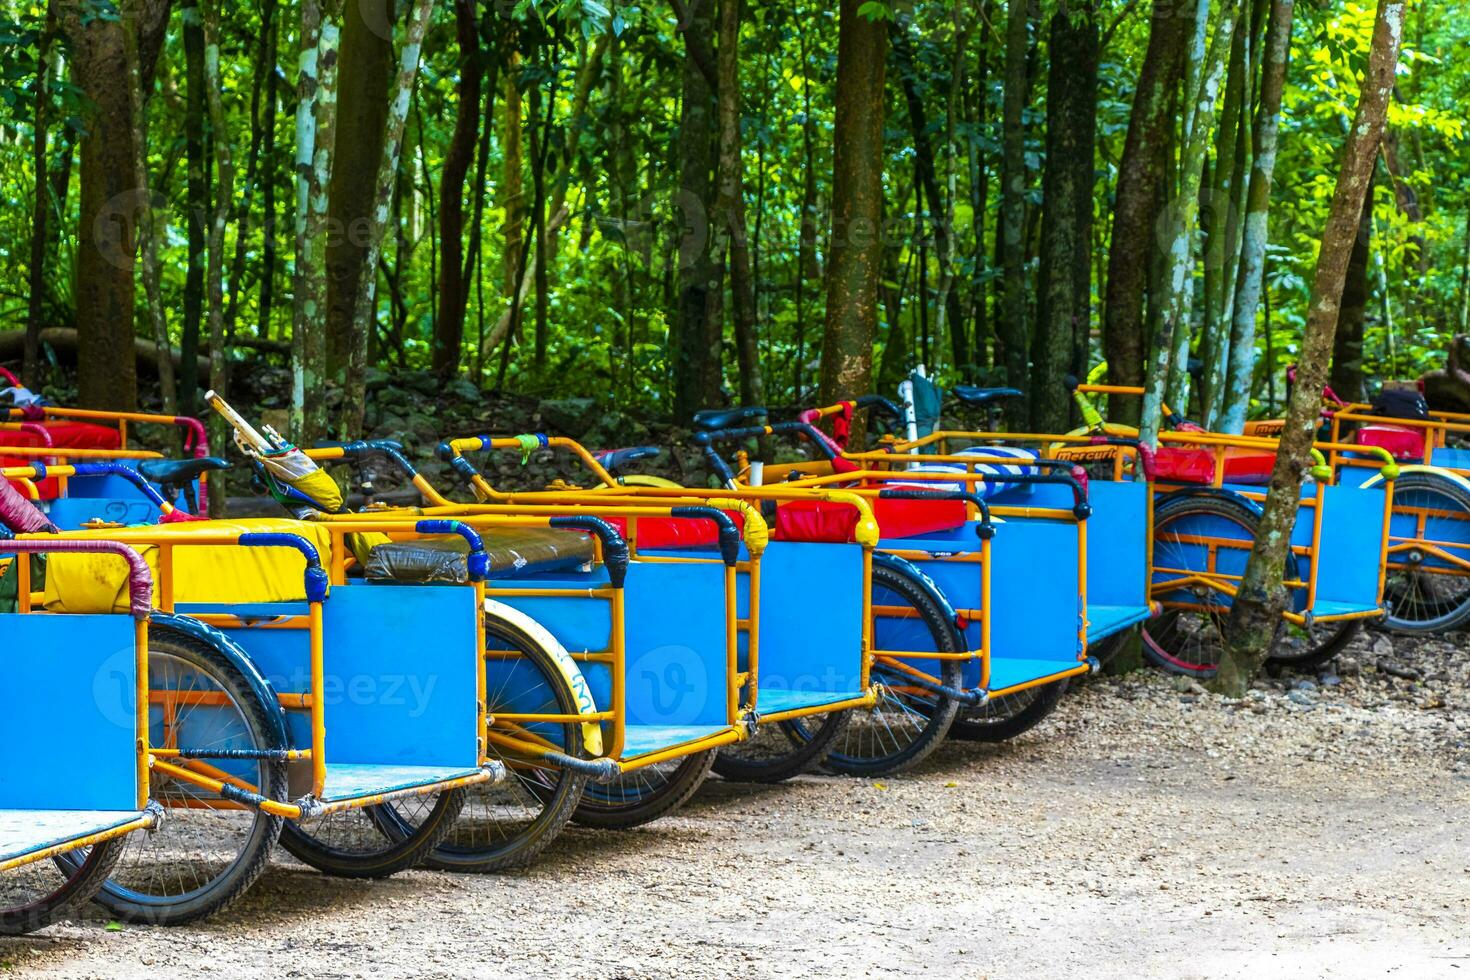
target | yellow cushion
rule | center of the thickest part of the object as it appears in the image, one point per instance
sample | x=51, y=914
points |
x=201, y=573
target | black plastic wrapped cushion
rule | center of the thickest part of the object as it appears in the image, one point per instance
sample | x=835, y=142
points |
x=512, y=552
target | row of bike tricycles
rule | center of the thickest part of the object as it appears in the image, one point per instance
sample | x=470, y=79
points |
x=378, y=687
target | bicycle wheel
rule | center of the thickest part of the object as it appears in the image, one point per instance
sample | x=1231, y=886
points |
x=1009, y=715
x=908, y=721
x=641, y=796
x=351, y=844
x=505, y=825
x=1427, y=596
x=1191, y=641
x=33, y=896
x=781, y=750
x=208, y=850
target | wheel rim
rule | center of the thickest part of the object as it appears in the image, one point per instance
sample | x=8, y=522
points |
x=498, y=815
x=904, y=712
x=1422, y=592
x=202, y=838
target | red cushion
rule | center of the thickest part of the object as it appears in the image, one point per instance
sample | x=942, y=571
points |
x=63, y=435
x=80, y=435
x=821, y=520
x=1180, y=465
x=1403, y=442
x=674, y=532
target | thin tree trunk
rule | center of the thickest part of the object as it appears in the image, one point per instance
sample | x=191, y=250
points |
x=454, y=294
x=1261, y=597
x=696, y=340
x=980, y=194
x=41, y=206
x=927, y=176
x=557, y=211
x=1066, y=229
x=149, y=231
x=1011, y=330
x=1347, y=346
x=1248, y=289
x=855, y=266
x=727, y=223
x=224, y=198
x=1202, y=89
x=1135, y=219
x=1226, y=202
x=512, y=190
x=196, y=203
x=106, y=235
x=272, y=223
x=807, y=269
x=364, y=316
x=264, y=64
x=316, y=123
x=365, y=74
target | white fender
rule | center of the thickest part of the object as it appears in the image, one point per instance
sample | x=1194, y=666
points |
x=565, y=665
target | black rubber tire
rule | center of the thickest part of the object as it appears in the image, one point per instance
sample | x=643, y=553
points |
x=641, y=796
x=1009, y=715
x=1410, y=609
x=253, y=854
x=794, y=751
x=76, y=888
x=1293, y=649
x=1305, y=654
x=392, y=853
x=853, y=754
x=555, y=791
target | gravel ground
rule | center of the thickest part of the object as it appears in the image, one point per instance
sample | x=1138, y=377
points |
x=1315, y=828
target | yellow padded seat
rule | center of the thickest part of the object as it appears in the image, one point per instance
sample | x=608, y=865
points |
x=201, y=573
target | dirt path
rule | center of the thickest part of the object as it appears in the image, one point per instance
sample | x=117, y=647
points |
x=1143, y=831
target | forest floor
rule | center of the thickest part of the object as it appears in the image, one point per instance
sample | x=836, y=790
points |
x=1315, y=828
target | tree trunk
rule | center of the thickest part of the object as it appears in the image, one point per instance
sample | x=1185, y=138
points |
x=807, y=268
x=519, y=285
x=928, y=178
x=41, y=206
x=106, y=233
x=362, y=114
x=695, y=345
x=149, y=232
x=265, y=65
x=1135, y=218
x=856, y=250
x=1203, y=76
x=196, y=201
x=1347, y=346
x=1066, y=226
x=1261, y=597
x=1226, y=199
x=727, y=223
x=454, y=293
x=512, y=190
x=224, y=188
x=1011, y=332
x=980, y=193
x=316, y=121
x=273, y=224
x=1248, y=289
x=365, y=315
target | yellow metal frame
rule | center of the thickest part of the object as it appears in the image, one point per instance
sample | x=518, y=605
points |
x=200, y=773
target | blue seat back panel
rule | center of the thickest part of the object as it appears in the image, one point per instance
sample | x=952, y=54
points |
x=1351, y=545
x=71, y=696
x=400, y=672
x=675, y=636
x=1035, y=589
x=1117, y=544
x=812, y=617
